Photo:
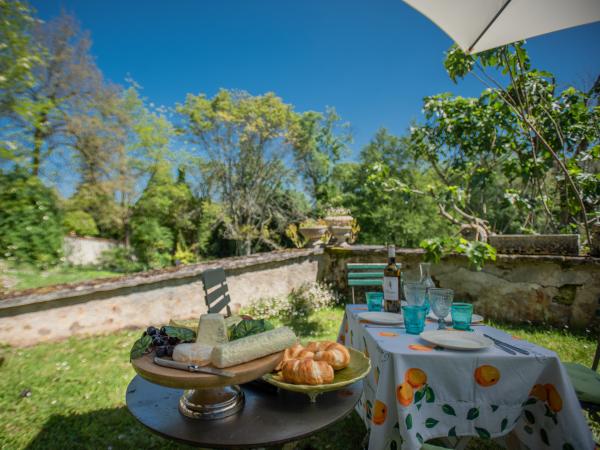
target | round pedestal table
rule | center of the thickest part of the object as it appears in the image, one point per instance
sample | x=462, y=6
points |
x=269, y=417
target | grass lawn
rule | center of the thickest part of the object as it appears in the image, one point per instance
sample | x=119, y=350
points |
x=24, y=277
x=70, y=395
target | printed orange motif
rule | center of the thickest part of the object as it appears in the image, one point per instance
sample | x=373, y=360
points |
x=539, y=391
x=404, y=393
x=420, y=348
x=554, y=400
x=379, y=412
x=415, y=377
x=387, y=334
x=487, y=375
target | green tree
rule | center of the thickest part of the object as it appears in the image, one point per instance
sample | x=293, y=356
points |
x=165, y=217
x=554, y=135
x=374, y=190
x=243, y=140
x=80, y=223
x=18, y=55
x=30, y=220
x=320, y=141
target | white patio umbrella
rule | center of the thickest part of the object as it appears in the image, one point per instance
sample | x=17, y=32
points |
x=478, y=25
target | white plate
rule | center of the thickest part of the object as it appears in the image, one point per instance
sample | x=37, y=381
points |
x=384, y=318
x=456, y=340
x=475, y=318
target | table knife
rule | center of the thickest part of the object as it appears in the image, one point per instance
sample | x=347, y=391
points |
x=192, y=367
x=504, y=348
x=507, y=345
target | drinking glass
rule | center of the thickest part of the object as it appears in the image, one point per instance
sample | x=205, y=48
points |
x=414, y=318
x=374, y=301
x=441, y=300
x=415, y=293
x=427, y=281
x=461, y=315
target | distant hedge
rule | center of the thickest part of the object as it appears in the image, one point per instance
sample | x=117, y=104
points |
x=31, y=228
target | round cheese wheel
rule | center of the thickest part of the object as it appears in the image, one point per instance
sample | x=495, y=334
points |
x=195, y=353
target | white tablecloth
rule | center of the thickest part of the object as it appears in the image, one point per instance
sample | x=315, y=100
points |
x=416, y=392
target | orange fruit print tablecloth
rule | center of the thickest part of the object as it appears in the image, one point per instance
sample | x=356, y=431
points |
x=416, y=391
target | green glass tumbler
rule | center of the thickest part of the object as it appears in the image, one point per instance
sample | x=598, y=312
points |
x=414, y=318
x=461, y=315
x=374, y=301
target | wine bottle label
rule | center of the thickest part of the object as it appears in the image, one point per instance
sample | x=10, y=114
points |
x=390, y=288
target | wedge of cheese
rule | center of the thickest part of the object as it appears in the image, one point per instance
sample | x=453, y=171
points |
x=252, y=347
x=212, y=329
x=195, y=353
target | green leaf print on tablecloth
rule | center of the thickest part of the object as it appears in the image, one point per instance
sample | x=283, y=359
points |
x=452, y=432
x=448, y=410
x=473, y=414
x=431, y=422
x=529, y=417
x=420, y=438
x=503, y=424
x=544, y=437
x=408, y=422
x=483, y=433
x=429, y=396
x=494, y=408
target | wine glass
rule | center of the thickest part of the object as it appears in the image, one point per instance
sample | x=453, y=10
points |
x=441, y=301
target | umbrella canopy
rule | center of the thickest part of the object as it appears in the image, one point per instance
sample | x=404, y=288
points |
x=478, y=25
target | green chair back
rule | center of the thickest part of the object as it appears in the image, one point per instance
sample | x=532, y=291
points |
x=364, y=274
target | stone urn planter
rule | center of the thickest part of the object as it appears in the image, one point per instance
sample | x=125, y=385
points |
x=338, y=217
x=341, y=235
x=534, y=244
x=313, y=234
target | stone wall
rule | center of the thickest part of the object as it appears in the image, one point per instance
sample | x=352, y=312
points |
x=105, y=305
x=85, y=251
x=558, y=290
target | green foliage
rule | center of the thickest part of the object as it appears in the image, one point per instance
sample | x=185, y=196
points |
x=320, y=141
x=30, y=221
x=164, y=220
x=536, y=144
x=477, y=252
x=153, y=243
x=81, y=223
x=246, y=168
x=121, y=260
x=375, y=190
x=248, y=328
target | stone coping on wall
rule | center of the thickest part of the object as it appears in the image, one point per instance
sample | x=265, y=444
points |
x=61, y=291
x=417, y=252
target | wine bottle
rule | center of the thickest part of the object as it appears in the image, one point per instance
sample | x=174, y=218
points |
x=391, y=283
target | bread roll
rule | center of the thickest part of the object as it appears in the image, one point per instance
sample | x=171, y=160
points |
x=333, y=353
x=307, y=371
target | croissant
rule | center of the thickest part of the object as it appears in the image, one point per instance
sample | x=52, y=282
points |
x=296, y=351
x=332, y=353
x=307, y=371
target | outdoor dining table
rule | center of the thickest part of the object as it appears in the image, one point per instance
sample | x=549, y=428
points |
x=417, y=391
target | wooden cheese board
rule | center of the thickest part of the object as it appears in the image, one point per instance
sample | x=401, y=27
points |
x=175, y=378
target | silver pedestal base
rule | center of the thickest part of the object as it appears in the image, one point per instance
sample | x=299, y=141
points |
x=210, y=404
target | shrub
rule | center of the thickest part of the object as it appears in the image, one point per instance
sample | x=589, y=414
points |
x=153, y=242
x=30, y=221
x=120, y=259
x=80, y=223
x=299, y=304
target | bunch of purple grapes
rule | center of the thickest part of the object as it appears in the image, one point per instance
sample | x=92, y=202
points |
x=163, y=343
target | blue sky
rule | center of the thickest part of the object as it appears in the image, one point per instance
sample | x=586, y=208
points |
x=372, y=60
